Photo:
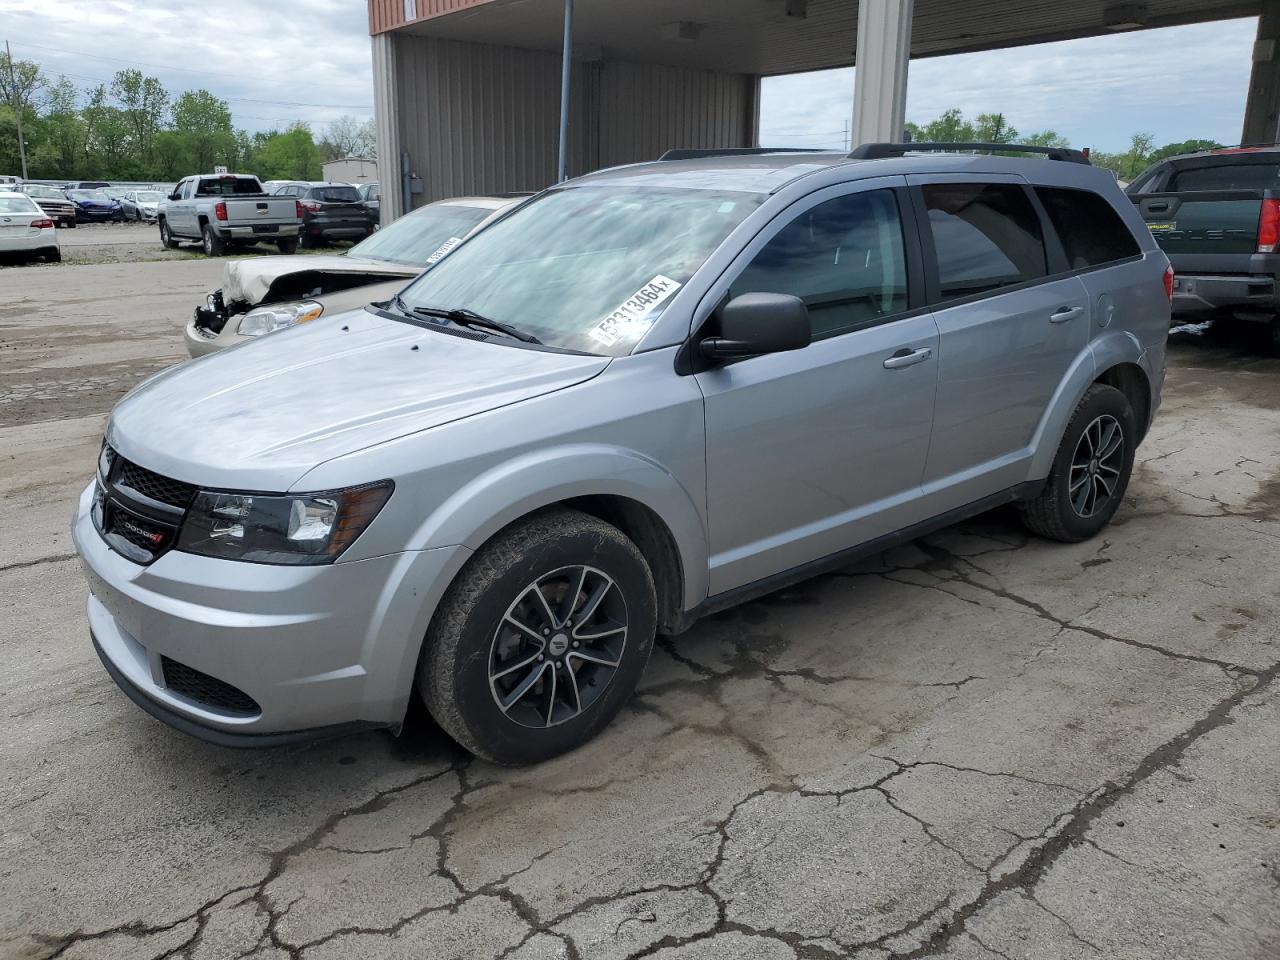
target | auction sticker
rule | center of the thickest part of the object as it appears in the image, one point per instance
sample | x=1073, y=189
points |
x=444, y=248
x=629, y=319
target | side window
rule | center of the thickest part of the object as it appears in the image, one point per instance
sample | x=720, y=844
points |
x=985, y=236
x=186, y=189
x=844, y=258
x=1092, y=233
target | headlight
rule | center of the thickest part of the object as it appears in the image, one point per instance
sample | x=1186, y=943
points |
x=266, y=319
x=304, y=528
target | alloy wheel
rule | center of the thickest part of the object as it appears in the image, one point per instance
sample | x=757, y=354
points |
x=558, y=646
x=1094, y=476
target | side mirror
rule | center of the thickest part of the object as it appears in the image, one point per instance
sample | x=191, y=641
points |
x=756, y=323
x=173, y=196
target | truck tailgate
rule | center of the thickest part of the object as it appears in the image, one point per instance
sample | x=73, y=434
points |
x=1203, y=221
x=249, y=211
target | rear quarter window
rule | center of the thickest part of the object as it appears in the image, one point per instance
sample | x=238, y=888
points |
x=1091, y=231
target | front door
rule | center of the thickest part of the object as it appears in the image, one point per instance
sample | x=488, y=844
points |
x=813, y=451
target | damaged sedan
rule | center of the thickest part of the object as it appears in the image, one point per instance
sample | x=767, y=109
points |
x=263, y=294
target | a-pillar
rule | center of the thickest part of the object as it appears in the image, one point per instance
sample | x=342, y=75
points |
x=880, y=70
x=1262, y=110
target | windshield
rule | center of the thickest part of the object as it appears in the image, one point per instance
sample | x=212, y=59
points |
x=88, y=195
x=17, y=205
x=587, y=268
x=146, y=196
x=336, y=194
x=419, y=236
x=47, y=193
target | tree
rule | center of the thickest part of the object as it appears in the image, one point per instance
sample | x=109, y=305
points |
x=1186, y=146
x=106, y=134
x=60, y=148
x=20, y=81
x=144, y=102
x=203, y=124
x=289, y=155
x=348, y=137
x=951, y=127
x=994, y=128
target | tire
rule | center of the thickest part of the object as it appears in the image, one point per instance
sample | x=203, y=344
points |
x=287, y=246
x=52, y=255
x=214, y=246
x=472, y=641
x=69, y=224
x=304, y=241
x=1077, y=500
x=166, y=237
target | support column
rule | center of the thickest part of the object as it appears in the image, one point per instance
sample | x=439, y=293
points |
x=566, y=69
x=880, y=70
x=386, y=121
x=1262, y=109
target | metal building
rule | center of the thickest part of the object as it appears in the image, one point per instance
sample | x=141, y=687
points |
x=468, y=93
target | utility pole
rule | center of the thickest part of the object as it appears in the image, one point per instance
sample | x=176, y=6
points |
x=17, y=109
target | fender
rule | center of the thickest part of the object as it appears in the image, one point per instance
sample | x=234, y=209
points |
x=514, y=488
x=1110, y=348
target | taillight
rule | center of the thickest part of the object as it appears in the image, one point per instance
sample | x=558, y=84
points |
x=220, y=210
x=1168, y=282
x=45, y=224
x=297, y=209
x=1269, y=226
x=312, y=205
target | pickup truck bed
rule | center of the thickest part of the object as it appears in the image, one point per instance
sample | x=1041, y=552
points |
x=1222, y=235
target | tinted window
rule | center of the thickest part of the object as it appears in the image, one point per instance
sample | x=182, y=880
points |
x=1227, y=176
x=985, y=236
x=1091, y=231
x=843, y=258
x=227, y=186
x=336, y=194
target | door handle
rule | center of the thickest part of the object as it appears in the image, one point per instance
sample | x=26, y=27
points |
x=1158, y=207
x=1063, y=314
x=907, y=357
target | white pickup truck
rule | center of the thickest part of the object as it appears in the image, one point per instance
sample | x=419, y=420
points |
x=227, y=210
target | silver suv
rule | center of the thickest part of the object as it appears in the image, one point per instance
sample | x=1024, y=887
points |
x=642, y=396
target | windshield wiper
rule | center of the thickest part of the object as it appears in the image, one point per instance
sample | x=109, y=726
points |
x=469, y=318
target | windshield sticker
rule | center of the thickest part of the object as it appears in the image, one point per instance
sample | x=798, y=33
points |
x=444, y=248
x=631, y=319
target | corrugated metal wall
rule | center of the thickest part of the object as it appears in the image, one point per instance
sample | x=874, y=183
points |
x=477, y=118
x=387, y=124
x=646, y=109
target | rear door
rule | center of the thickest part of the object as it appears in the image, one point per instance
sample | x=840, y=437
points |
x=1008, y=331
x=813, y=451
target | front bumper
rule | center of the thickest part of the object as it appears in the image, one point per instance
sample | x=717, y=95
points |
x=314, y=647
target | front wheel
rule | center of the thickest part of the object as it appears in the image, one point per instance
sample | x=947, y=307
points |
x=1090, y=471
x=214, y=246
x=541, y=639
x=166, y=238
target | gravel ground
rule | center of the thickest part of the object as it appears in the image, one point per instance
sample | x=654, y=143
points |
x=977, y=746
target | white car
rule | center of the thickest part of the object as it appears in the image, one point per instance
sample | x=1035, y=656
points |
x=25, y=229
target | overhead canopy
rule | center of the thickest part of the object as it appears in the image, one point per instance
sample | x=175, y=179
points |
x=759, y=37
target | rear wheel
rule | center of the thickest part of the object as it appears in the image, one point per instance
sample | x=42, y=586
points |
x=288, y=245
x=305, y=241
x=166, y=237
x=541, y=638
x=214, y=246
x=52, y=255
x=1091, y=470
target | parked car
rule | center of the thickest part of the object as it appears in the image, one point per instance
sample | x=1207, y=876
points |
x=116, y=193
x=53, y=202
x=371, y=197
x=330, y=211
x=224, y=210
x=1216, y=215
x=640, y=397
x=85, y=185
x=141, y=205
x=26, y=230
x=94, y=206
x=264, y=294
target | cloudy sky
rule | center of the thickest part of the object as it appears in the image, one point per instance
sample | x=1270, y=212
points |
x=279, y=61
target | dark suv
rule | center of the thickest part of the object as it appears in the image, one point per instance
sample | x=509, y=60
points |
x=330, y=211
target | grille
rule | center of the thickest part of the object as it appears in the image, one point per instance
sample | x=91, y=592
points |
x=173, y=492
x=207, y=690
x=152, y=537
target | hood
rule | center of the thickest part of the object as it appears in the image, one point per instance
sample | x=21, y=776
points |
x=250, y=280
x=259, y=416
x=95, y=203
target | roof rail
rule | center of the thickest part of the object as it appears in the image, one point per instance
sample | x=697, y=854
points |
x=690, y=153
x=878, y=151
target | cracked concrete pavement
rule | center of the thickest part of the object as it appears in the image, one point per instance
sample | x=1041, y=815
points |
x=979, y=745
